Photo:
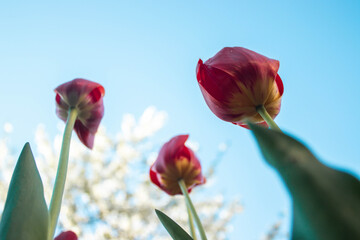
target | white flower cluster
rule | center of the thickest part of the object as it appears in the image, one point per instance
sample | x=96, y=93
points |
x=108, y=194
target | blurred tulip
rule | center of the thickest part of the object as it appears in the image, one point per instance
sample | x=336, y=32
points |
x=236, y=82
x=87, y=98
x=69, y=235
x=175, y=162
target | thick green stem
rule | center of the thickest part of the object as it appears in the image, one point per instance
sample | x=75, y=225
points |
x=268, y=119
x=58, y=191
x=192, y=209
x=191, y=223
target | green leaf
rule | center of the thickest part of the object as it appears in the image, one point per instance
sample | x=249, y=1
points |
x=175, y=231
x=25, y=215
x=326, y=201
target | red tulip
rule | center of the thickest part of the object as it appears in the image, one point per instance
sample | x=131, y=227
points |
x=236, y=81
x=69, y=235
x=87, y=98
x=175, y=162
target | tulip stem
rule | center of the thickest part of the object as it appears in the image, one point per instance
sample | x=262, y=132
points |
x=268, y=119
x=191, y=223
x=58, y=191
x=192, y=209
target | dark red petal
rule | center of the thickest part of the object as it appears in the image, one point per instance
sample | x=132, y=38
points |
x=96, y=94
x=244, y=66
x=223, y=110
x=73, y=91
x=183, y=152
x=230, y=59
x=198, y=66
x=62, y=109
x=57, y=98
x=223, y=94
x=69, y=235
x=169, y=151
x=217, y=83
x=94, y=116
x=85, y=136
x=154, y=178
x=174, y=145
x=279, y=84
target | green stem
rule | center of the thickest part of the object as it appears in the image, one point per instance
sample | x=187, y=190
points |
x=268, y=119
x=191, y=223
x=58, y=191
x=192, y=209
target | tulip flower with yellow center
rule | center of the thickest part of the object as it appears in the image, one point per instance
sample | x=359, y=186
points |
x=176, y=162
x=240, y=85
x=177, y=171
x=183, y=169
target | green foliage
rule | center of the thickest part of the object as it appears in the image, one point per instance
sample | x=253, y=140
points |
x=25, y=215
x=175, y=231
x=326, y=202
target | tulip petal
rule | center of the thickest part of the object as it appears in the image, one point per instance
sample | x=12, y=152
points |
x=96, y=94
x=85, y=136
x=216, y=82
x=225, y=99
x=169, y=150
x=154, y=177
x=91, y=117
x=279, y=84
x=228, y=111
x=252, y=72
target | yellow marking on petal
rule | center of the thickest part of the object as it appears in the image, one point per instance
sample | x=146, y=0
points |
x=182, y=169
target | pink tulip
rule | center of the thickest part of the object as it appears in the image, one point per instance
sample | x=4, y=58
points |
x=87, y=98
x=174, y=162
x=237, y=81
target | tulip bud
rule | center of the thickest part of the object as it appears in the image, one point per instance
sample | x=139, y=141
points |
x=237, y=81
x=175, y=162
x=87, y=98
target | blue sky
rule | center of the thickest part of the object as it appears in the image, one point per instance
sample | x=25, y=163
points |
x=145, y=53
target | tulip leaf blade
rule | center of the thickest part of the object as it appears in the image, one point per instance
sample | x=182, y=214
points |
x=326, y=201
x=175, y=231
x=25, y=214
